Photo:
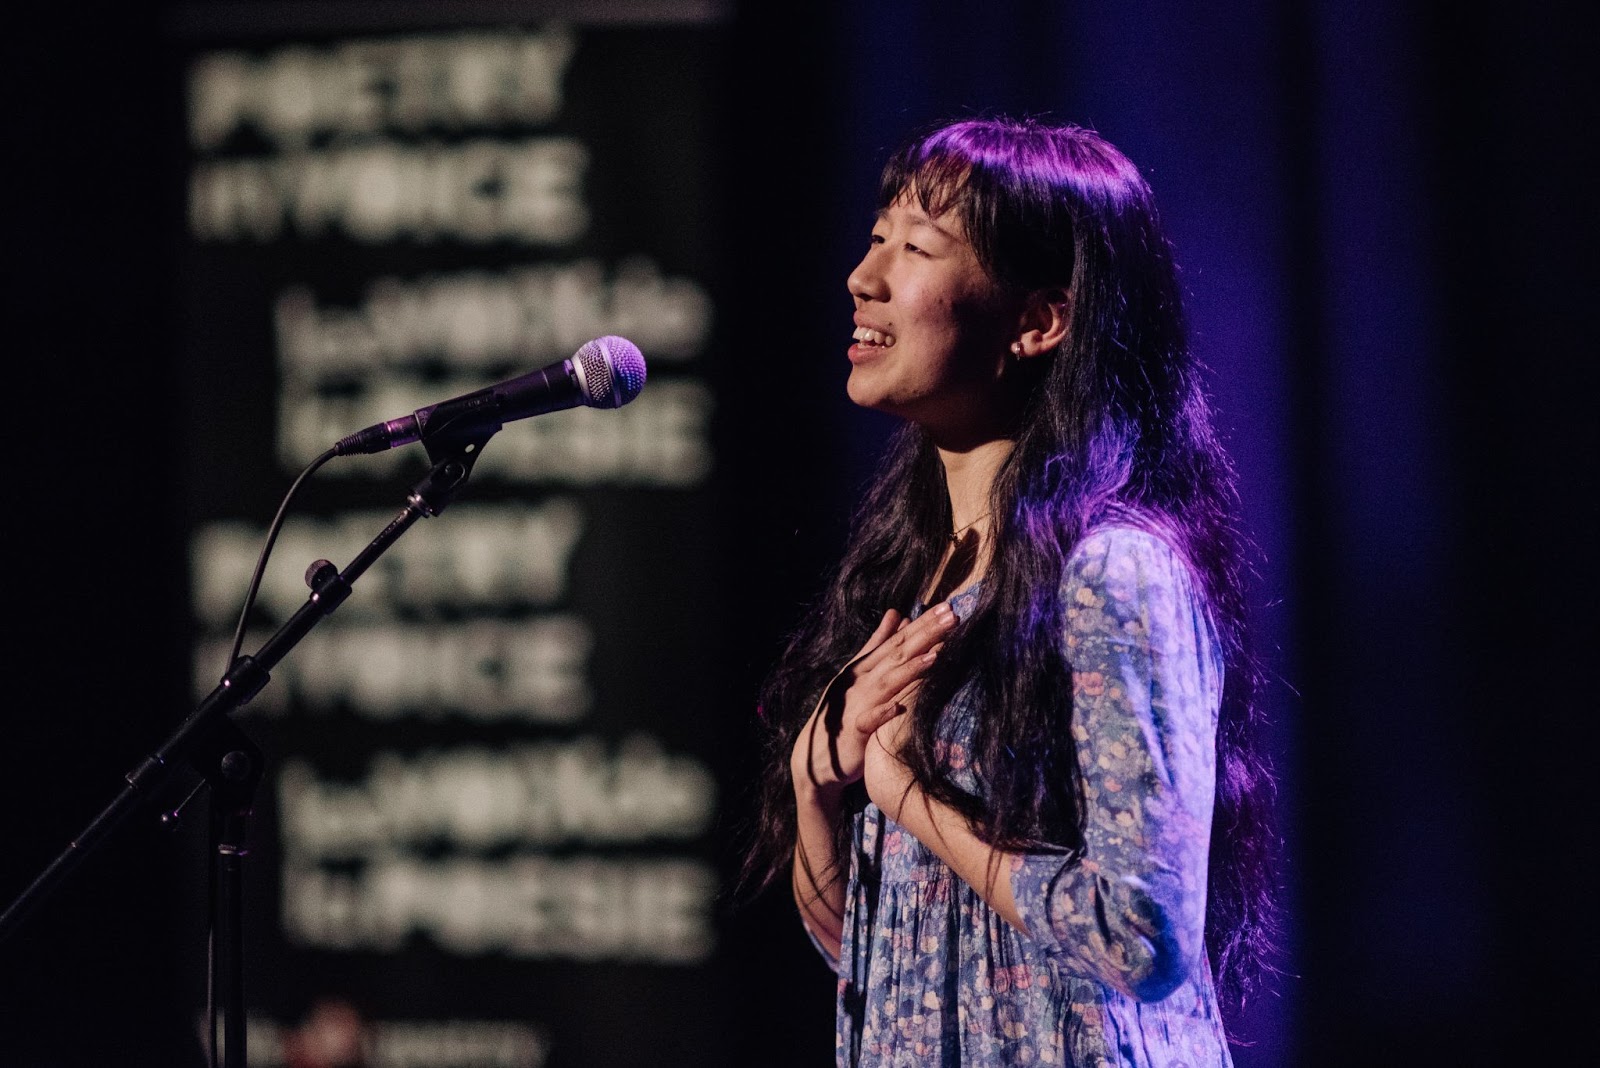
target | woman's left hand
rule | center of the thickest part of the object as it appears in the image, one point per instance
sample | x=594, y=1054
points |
x=889, y=781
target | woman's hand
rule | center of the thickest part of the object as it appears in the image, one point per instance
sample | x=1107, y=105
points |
x=938, y=826
x=873, y=689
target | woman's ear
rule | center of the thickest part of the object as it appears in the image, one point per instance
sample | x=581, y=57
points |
x=1045, y=322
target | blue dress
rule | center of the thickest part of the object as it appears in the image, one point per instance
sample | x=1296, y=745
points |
x=1112, y=968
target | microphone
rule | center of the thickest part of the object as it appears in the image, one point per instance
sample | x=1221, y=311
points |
x=607, y=372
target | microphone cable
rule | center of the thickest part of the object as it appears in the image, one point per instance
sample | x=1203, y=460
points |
x=238, y=645
x=266, y=551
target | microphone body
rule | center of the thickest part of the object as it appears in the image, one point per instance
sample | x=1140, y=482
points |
x=607, y=372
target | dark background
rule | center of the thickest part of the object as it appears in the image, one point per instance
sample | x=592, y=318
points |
x=1380, y=217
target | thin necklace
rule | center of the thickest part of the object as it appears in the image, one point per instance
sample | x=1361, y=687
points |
x=955, y=535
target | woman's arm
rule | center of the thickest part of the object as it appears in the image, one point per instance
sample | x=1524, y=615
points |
x=937, y=825
x=818, y=876
x=1129, y=910
x=829, y=753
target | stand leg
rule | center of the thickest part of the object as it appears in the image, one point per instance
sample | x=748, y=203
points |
x=233, y=782
x=230, y=971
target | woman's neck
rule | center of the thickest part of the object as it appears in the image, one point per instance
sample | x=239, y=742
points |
x=969, y=476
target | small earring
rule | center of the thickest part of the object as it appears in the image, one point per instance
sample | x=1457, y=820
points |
x=1016, y=348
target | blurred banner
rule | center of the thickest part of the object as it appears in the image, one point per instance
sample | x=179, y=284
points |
x=484, y=840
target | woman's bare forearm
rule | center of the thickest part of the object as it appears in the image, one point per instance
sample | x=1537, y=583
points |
x=819, y=878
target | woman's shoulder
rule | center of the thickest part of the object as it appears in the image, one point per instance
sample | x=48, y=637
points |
x=1125, y=540
x=1128, y=565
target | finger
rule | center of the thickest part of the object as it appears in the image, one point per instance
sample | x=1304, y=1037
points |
x=897, y=678
x=906, y=646
x=879, y=716
x=891, y=622
x=940, y=619
x=915, y=637
x=886, y=650
x=911, y=638
x=908, y=695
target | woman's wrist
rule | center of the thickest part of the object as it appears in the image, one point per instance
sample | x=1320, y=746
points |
x=810, y=793
x=814, y=780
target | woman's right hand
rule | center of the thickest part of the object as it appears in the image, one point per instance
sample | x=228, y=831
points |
x=874, y=687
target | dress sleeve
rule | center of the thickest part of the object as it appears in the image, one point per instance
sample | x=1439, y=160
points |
x=827, y=955
x=1129, y=910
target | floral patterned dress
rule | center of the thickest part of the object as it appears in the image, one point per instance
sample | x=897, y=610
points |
x=1112, y=969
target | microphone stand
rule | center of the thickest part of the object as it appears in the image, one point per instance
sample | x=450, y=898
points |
x=230, y=763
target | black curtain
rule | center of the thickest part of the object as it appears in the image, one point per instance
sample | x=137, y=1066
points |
x=1418, y=442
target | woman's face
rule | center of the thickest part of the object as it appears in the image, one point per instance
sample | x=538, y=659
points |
x=932, y=329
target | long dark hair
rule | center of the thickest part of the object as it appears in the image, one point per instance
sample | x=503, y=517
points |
x=1117, y=424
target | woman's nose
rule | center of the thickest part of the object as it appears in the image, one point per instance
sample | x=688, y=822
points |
x=866, y=281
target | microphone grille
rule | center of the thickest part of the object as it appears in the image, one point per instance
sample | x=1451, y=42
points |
x=611, y=369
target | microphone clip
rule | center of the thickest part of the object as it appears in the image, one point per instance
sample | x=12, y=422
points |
x=453, y=457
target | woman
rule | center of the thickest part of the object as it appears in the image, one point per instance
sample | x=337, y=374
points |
x=1012, y=754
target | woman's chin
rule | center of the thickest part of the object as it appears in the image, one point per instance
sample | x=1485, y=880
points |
x=861, y=390
x=874, y=400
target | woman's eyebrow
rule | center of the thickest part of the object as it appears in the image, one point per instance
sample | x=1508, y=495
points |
x=926, y=221
x=919, y=218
